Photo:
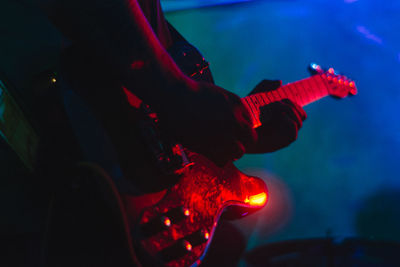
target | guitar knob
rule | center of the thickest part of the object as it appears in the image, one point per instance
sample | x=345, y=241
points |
x=155, y=226
x=176, y=251
x=184, y=246
x=198, y=237
x=164, y=221
x=178, y=213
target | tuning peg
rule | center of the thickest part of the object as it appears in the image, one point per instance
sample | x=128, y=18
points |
x=314, y=69
x=353, y=90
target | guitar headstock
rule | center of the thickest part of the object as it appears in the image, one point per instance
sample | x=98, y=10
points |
x=338, y=85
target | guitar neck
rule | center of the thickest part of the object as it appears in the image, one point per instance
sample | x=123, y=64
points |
x=302, y=92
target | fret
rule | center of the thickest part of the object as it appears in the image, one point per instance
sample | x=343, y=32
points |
x=323, y=84
x=314, y=88
x=260, y=99
x=310, y=96
x=251, y=104
x=256, y=110
x=310, y=92
x=256, y=103
x=318, y=92
x=276, y=96
x=302, y=92
x=295, y=93
x=268, y=96
x=316, y=95
x=280, y=94
x=308, y=86
x=327, y=82
x=246, y=103
x=265, y=98
x=284, y=92
x=289, y=92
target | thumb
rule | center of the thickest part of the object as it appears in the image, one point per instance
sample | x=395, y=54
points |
x=266, y=86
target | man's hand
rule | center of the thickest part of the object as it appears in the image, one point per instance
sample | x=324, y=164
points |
x=209, y=120
x=280, y=120
x=213, y=121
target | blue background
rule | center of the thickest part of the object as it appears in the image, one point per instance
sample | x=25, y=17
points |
x=341, y=177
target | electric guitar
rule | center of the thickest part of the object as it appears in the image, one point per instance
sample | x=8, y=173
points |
x=320, y=84
x=175, y=227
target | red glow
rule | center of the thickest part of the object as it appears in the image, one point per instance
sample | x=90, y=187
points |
x=167, y=222
x=331, y=71
x=206, y=235
x=257, y=124
x=340, y=81
x=188, y=246
x=335, y=80
x=138, y=64
x=133, y=100
x=257, y=200
x=186, y=212
x=351, y=84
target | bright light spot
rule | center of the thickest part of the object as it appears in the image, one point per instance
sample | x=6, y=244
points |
x=186, y=212
x=256, y=125
x=257, y=200
x=167, y=222
x=53, y=80
x=188, y=246
x=206, y=235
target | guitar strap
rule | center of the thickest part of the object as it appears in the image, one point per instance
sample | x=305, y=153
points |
x=16, y=130
x=188, y=58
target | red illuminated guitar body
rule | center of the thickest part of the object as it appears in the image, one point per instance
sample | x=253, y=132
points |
x=177, y=230
x=175, y=227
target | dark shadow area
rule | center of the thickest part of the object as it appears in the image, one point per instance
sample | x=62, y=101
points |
x=227, y=246
x=326, y=252
x=379, y=216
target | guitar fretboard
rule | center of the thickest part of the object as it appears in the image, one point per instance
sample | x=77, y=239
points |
x=302, y=92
